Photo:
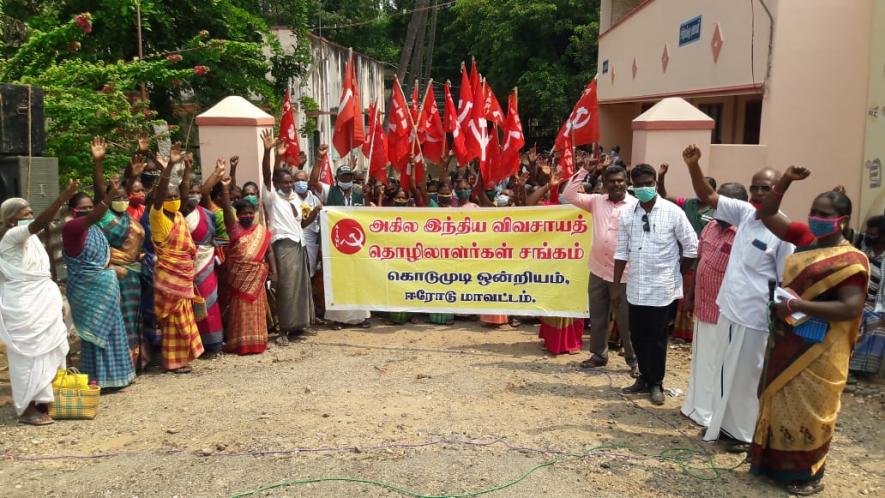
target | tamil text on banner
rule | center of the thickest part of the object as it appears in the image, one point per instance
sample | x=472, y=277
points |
x=529, y=261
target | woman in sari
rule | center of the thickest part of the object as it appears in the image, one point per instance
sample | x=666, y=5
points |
x=93, y=289
x=126, y=237
x=174, y=277
x=201, y=222
x=806, y=365
x=247, y=272
x=31, y=316
x=870, y=349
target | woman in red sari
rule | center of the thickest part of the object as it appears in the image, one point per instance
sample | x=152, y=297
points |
x=247, y=271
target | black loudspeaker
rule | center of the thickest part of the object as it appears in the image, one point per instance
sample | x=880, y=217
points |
x=20, y=105
x=44, y=180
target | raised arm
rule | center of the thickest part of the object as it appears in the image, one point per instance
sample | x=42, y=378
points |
x=314, y=180
x=162, y=183
x=98, y=149
x=662, y=188
x=234, y=161
x=230, y=218
x=43, y=219
x=211, y=181
x=269, y=141
x=99, y=207
x=692, y=156
x=769, y=212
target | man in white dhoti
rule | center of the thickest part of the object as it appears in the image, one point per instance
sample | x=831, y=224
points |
x=31, y=309
x=757, y=257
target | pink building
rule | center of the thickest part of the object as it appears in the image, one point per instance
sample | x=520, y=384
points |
x=785, y=82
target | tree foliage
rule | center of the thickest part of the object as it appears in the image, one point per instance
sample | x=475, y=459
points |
x=194, y=52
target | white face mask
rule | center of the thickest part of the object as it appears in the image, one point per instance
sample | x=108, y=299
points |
x=25, y=222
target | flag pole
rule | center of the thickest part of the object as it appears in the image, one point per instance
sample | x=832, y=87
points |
x=371, y=145
x=352, y=75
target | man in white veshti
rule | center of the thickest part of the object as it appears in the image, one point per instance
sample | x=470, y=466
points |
x=757, y=257
x=31, y=310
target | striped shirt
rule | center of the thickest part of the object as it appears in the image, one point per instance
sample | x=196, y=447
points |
x=714, y=248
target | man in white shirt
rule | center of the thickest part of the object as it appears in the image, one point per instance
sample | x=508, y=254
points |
x=649, y=238
x=286, y=222
x=757, y=257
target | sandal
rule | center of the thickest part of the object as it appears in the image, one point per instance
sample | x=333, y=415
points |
x=594, y=362
x=36, y=419
x=805, y=488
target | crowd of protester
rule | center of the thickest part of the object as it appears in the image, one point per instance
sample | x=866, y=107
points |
x=164, y=267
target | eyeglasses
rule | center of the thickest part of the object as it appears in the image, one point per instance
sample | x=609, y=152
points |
x=760, y=188
x=645, y=225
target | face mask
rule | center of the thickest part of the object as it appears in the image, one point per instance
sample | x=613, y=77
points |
x=756, y=205
x=285, y=193
x=247, y=220
x=502, y=200
x=345, y=185
x=463, y=195
x=81, y=212
x=822, y=227
x=172, y=206
x=645, y=194
x=136, y=199
x=25, y=222
x=301, y=187
x=251, y=199
x=444, y=199
x=119, y=206
x=562, y=200
x=400, y=203
x=433, y=196
x=193, y=200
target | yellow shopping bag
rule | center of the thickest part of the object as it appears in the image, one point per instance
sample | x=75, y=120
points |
x=70, y=378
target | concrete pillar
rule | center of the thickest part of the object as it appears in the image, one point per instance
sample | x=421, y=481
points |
x=233, y=127
x=661, y=133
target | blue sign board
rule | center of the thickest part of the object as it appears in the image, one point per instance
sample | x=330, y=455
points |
x=690, y=31
x=605, y=66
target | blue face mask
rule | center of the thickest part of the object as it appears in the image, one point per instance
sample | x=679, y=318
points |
x=645, y=194
x=502, y=200
x=251, y=199
x=25, y=222
x=345, y=185
x=562, y=200
x=301, y=187
x=822, y=227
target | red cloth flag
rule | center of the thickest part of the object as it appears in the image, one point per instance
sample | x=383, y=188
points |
x=514, y=141
x=583, y=123
x=466, y=106
x=493, y=110
x=414, y=104
x=474, y=78
x=289, y=133
x=375, y=148
x=349, y=131
x=567, y=159
x=453, y=126
x=430, y=128
x=326, y=175
x=478, y=127
x=491, y=168
x=399, y=128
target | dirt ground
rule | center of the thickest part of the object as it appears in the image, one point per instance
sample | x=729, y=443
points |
x=435, y=410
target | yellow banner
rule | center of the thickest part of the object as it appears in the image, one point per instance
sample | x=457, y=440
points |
x=529, y=261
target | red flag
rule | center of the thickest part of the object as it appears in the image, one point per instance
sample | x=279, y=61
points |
x=466, y=105
x=583, y=123
x=492, y=107
x=567, y=159
x=474, y=77
x=375, y=148
x=398, y=148
x=478, y=127
x=454, y=127
x=514, y=141
x=491, y=168
x=288, y=132
x=326, y=175
x=430, y=128
x=349, y=132
x=414, y=104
